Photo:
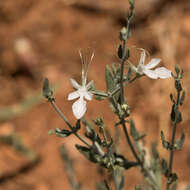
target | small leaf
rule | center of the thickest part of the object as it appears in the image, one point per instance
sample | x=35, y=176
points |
x=62, y=132
x=165, y=143
x=133, y=130
x=172, y=98
x=177, y=70
x=47, y=92
x=121, y=161
x=182, y=98
x=88, y=153
x=84, y=151
x=114, y=68
x=51, y=132
x=110, y=83
x=134, y=133
x=178, y=85
x=127, y=53
x=120, y=52
x=179, y=143
x=165, y=167
x=92, y=135
x=99, y=121
x=100, y=95
x=141, y=137
x=172, y=114
x=182, y=73
x=129, y=74
x=178, y=116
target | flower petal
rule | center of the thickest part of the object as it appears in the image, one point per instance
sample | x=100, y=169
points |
x=75, y=84
x=163, y=73
x=79, y=108
x=88, y=95
x=152, y=63
x=89, y=85
x=150, y=73
x=73, y=95
x=142, y=58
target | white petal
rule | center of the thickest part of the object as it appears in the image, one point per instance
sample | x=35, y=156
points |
x=79, y=108
x=163, y=73
x=89, y=85
x=142, y=59
x=150, y=73
x=75, y=84
x=153, y=63
x=88, y=96
x=73, y=95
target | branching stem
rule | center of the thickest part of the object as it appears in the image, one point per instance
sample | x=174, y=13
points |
x=67, y=122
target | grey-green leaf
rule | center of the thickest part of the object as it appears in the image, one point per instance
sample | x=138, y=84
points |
x=179, y=143
x=182, y=99
x=47, y=92
x=165, y=143
x=133, y=130
x=110, y=83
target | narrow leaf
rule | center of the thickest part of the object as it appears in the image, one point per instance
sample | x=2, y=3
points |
x=133, y=130
x=177, y=69
x=47, y=92
x=165, y=143
x=120, y=52
x=179, y=143
x=182, y=98
x=110, y=84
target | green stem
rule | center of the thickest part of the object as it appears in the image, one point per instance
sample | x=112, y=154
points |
x=172, y=145
x=171, y=155
x=122, y=72
x=67, y=122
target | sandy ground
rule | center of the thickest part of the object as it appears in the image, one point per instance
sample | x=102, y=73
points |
x=41, y=39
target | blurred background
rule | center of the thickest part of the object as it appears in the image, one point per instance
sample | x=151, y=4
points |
x=41, y=39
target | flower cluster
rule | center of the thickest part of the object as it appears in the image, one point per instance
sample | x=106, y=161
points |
x=83, y=91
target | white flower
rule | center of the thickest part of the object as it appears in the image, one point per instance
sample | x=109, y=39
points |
x=160, y=72
x=82, y=91
x=79, y=107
